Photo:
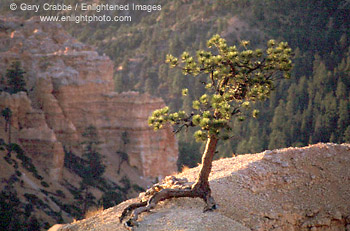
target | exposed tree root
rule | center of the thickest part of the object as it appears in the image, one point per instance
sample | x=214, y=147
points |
x=171, y=187
x=130, y=208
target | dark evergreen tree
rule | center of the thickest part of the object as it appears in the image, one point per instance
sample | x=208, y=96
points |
x=347, y=134
x=278, y=137
x=7, y=114
x=123, y=156
x=344, y=118
x=15, y=78
x=93, y=165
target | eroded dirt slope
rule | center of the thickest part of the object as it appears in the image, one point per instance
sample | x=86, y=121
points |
x=288, y=189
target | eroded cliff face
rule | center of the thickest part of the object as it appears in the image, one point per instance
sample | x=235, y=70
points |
x=29, y=128
x=70, y=86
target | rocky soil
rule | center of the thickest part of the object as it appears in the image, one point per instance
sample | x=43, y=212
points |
x=287, y=189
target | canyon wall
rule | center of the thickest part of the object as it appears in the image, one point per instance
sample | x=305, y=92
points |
x=69, y=87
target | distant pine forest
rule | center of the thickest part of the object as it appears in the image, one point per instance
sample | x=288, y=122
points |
x=312, y=107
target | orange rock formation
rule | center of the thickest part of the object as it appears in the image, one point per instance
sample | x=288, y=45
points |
x=70, y=86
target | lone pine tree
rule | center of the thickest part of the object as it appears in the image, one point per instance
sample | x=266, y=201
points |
x=15, y=78
x=7, y=114
x=236, y=76
x=93, y=165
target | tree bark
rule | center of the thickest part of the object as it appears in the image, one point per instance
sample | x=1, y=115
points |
x=201, y=186
x=207, y=160
x=199, y=189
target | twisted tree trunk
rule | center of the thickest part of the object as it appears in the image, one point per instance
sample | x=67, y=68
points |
x=201, y=186
x=199, y=189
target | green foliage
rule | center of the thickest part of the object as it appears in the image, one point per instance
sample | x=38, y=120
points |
x=15, y=78
x=90, y=168
x=15, y=215
x=60, y=193
x=6, y=113
x=309, y=27
x=112, y=193
x=74, y=163
x=94, y=167
x=235, y=77
x=125, y=138
x=127, y=185
x=189, y=155
x=305, y=24
x=123, y=157
x=27, y=162
x=347, y=134
x=41, y=205
x=2, y=145
x=137, y=188
x=10, y=210
x=316, y=108
x=110, y=199
x=45, y=184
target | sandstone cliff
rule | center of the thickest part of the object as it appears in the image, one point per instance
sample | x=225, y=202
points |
x=29, y=128
x=289, y=189
x=70, y=86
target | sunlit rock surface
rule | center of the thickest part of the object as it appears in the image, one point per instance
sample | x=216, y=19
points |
x=70, y=86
